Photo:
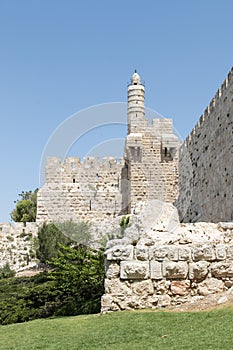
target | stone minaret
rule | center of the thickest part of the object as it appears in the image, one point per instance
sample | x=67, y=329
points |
x=136, y=111
x=150, y=153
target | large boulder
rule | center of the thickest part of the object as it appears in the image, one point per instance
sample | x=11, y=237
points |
x=155, y=215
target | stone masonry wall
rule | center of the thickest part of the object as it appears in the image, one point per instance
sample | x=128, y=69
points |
x=88, y=190
x=152, y=158
x=17, y=245
x=206, y=162
x=171, y=269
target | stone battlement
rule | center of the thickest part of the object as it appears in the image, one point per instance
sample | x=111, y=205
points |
x=217, y=101
x=205, y=162
x=17, y=227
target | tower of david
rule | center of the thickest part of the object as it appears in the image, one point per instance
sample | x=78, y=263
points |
x=194, y=175
x=100, y=189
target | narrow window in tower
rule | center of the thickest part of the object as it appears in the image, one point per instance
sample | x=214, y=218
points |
x=165, y=151
x=97, y=177
x=73, y=181
x=90, y=205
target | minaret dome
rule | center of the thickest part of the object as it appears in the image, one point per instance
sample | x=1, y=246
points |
x=135, y=80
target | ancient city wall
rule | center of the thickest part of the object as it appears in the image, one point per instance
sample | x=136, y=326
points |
x=17, y=245
x=206, y=162
x=88, y=190
x=171, y=269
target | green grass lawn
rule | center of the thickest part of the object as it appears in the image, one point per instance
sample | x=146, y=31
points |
x=125, y=330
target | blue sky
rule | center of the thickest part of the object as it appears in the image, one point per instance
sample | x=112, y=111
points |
x=61, y=56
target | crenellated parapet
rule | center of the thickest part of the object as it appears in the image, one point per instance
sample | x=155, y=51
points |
x=221, y=96
x=58, y=171
x=87, y=190
x=205, y=167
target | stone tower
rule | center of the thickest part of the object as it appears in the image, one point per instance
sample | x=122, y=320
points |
x=136, y=108
x=151, y=152
x=94, y=190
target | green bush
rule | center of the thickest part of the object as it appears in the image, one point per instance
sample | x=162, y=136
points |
x=49, y=238
x=26, y=298
x=73, y=286
x=79, y=232
x=66, y=233
x=6, y=272
x=124, y=223
x=78, y=274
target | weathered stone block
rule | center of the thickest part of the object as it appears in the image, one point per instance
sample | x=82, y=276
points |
x=156, y=270
x=184, y=253
x=158, y=253
x=120, y=252
x=198, y=270
x=134, y=269
x=130, y=303
x=210, y=286
x=203, y=252
x=222, y=269
x=220, y=252
x=113, y=271
x=117, y=287
x=143, y=288
x=164, y=251
x=229, y=252
x=151, y=301
x=174, y=270
x=142, y=252
x=107, y=304
x=173, y=253
x=163, y=300
x=180, y=287
x=162, y=287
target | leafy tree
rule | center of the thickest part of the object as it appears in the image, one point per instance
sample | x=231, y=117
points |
x=25, y=209
x=66, y=233
x=78, y=273
x=49, y=238
x=79, y=232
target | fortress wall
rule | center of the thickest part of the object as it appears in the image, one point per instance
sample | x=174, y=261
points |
x=206, y=162
x=80, y=191
x=145, y=273
x=17, y=245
